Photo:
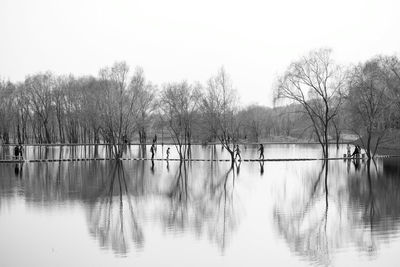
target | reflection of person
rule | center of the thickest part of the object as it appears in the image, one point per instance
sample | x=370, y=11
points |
x=261, y=149
x=168, y=153
x=356, y=164
x=152, y=166
x=261, y=167
x=348, y=165
x=238, y=167
x=16, y=169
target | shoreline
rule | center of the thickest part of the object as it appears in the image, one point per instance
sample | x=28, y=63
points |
x=171, y=144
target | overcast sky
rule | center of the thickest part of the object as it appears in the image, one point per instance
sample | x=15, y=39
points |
x=188, y=40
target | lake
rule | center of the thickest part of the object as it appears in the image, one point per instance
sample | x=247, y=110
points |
x=199, y=213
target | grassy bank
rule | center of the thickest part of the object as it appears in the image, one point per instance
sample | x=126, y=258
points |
x=389, y=145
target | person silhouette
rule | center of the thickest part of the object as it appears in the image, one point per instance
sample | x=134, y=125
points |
x=261, y=149
x=356, y=151
x=238, y=153
x=16, y=152
x=152, y=151
x=348, y=150
x=168, y=151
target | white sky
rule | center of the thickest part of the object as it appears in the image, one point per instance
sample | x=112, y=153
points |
x=177, y=40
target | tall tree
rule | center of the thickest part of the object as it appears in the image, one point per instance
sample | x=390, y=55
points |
x=391, y=67
x=317, y=84
x=146, y=93
x=6, y=95
x=368, y=103
x=120, y=106
x=220, y=106
x=179, y=102
x=39, y=87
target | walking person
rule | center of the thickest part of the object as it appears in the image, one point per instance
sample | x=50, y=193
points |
x=356, y=151
x=21, y=149
x=261, y=149
x=16, y=152
x=154, y=145
x=168, y=153
x=348, y=150
x=152, y=151
x=238, y=153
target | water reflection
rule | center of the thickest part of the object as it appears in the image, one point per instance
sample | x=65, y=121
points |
x=333, y=211
x=318, y=209
x=118, y=197
x=112, y=217
x=200, y=204
x=376, y=194
x=303, y=217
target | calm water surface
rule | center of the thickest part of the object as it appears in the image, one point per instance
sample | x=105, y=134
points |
x=135, y=213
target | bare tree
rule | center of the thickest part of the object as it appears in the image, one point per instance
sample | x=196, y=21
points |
x=146, y=93
x=368, y=102
x=6, y=104
x=391, y=67
x=317, y=84
x=220, y=107
x=39, y=88
x=254, y=121
x=21, y=113
x=179, y=102
x=91, y=98
x=120, y=106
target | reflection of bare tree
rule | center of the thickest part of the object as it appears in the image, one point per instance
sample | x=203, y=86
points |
x=112, y=219
x=378, y=197
x=227, y=214
x=304, y=222
x=206, y=206
x=178, y=197
x=361, y=208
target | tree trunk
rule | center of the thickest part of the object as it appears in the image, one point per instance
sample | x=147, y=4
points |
x=369, y=145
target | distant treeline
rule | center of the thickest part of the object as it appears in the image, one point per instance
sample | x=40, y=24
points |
x=49, y=108
x=117, y=107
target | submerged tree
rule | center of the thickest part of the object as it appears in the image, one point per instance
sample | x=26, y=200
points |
x=179, y=102
x=368, y=104
x=146, y=93
x=119, y=106
x=317, y=84
x=39, y=87
x=219, y=106
x=6, y=103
